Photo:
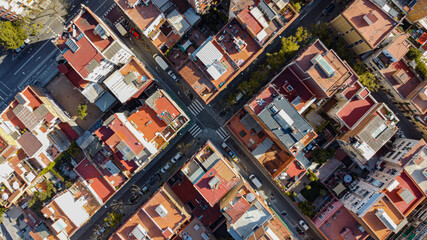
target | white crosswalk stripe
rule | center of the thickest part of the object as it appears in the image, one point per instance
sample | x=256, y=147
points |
x=195, y=130
x=222, y=133
x=195, y=107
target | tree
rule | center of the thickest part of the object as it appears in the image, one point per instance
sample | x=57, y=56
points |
x=308, y=187
x=302, y=35
x=322, y=192
x=12, y=34
x=421, y=67
x=135, y=191
x=117, y=206
x=413, y=53
x=323, y=32
x=289, y=46
x=96, y=231
x=185, y=147
x=306, y=208
x=82, y=111
x=113, y=219
x=2, y=211
x=368, y=80
x=321, y=155
x=297, y=6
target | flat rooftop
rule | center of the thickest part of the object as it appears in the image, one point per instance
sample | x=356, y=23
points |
x=415, y=170
x=290, y=85
x=370, y=219
x=337, y=224
x=381, y=23
x=420, y=102
x=400, y=195
x=87, y=23
x=325, y=67
x=399, y=47
x=142, y=15
x=355, y=109
x=216, y=182
x=401, y=78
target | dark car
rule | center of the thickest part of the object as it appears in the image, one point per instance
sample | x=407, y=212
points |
x=329, y=8
x=134, y=199
x=135, y=33
x=154, y=179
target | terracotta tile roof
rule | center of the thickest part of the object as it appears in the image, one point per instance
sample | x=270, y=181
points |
x=381, y=24
x=95, y=179
x=29, y=143
x=187, y=193
x=123, y=132
x=86, y=24
x=34, y=100
x=83, y=56
x=415, y=150
x=251, y=22
x=355, y=109
x=68, y=131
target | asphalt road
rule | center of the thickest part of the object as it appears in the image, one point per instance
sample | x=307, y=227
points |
x=36, y=63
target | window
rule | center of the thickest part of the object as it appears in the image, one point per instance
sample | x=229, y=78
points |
x=290, y=88
x=274, y=109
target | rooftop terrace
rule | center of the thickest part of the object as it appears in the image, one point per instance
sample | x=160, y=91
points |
x=326, y=68
x=401, y=78
x=374, y=30
x=407, y=195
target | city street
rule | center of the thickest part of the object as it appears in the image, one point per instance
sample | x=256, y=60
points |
x=36, y=64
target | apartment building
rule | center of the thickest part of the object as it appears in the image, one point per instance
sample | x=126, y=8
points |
x=90, y=52
x=161, y=217
x=364, y=24
x=12, y=10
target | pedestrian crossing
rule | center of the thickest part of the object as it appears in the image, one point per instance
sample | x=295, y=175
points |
x=195, y=107
x=222, y=133
x=195, y=130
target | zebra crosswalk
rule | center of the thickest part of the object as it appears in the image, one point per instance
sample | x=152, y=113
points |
x=195, y=107
x=222, y=133
x=195, y=130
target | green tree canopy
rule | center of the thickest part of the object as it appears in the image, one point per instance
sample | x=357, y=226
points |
x=413, y=53
x=321, y=155
x=302, y=35
x=297, y=6
x=12, y=34
x=82, y=111
x=368, y=80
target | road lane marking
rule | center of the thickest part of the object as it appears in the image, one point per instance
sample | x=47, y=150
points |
x=19, y=69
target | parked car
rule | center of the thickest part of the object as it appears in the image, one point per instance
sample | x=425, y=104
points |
x=134, y=198
x=303, y=224
x=255, y=181
x=135, y=33
x=154, y=179
x=176, y=157
x=329, y=8
x=173, y=76
x=230, y=153
x=166, y=167
x=144, y=189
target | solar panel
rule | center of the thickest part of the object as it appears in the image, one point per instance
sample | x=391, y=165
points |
x=80, y=36
x=72, y=45
x=99, y=30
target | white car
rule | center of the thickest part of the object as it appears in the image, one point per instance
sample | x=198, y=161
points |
x=176, y=157
x=166, y=167
x=303, y=225
x=172, y=75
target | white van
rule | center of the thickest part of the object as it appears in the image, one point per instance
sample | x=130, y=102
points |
x=255, y=181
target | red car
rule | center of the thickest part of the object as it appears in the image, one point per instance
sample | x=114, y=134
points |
x=135, y=33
